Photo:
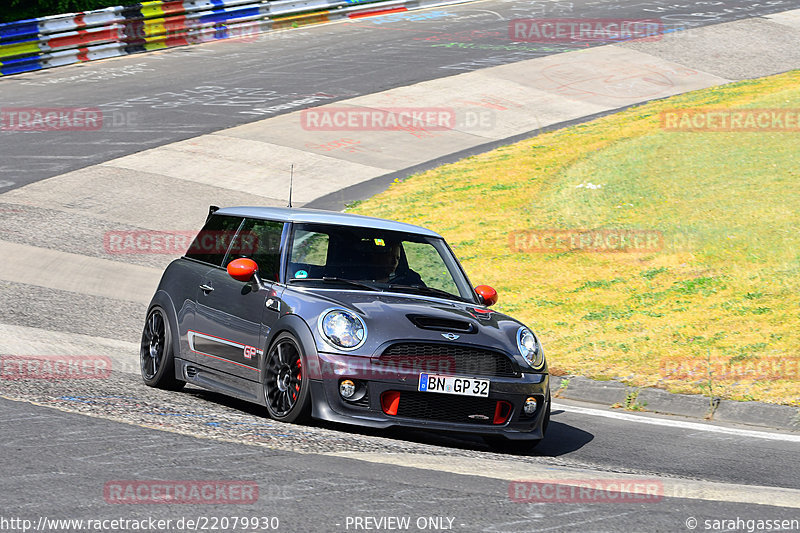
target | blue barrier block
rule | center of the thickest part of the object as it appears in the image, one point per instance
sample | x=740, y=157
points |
x=227, y=14
x=16, y=66
x=19, y=28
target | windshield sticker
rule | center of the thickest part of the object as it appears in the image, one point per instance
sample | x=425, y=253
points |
x=301, y=274
x=379, y=242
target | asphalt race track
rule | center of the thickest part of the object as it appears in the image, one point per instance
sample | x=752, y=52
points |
x=317, y=492
x=64, y=442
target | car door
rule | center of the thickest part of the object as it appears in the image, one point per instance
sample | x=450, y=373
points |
x=233, y=318
x=208, y=250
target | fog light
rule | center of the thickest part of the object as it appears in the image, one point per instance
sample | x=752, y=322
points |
x=347, y=388
x=530, y=406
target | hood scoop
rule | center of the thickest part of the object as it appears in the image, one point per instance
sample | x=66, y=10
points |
x=437, y=323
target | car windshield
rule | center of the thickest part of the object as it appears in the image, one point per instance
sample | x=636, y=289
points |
x=373, y=259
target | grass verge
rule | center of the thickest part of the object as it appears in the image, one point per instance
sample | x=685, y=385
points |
x=714, y=308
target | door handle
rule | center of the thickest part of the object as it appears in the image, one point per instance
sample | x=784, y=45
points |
x=206, y=288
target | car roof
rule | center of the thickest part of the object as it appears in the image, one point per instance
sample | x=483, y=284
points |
x=318, y=216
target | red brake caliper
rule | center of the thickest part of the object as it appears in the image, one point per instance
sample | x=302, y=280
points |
x=299, y=378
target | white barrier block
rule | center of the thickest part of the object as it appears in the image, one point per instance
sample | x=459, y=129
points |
x=295, y=6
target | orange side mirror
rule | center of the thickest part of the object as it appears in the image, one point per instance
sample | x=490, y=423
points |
x=487, y=294
x=242, y=269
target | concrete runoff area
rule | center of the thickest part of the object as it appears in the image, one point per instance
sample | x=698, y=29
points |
x=491, y=104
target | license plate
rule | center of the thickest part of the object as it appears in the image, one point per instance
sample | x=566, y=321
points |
x=453, y=385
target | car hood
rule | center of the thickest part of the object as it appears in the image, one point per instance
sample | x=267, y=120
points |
x=393, y=317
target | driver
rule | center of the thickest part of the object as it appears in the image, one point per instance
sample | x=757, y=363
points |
x=385, y=263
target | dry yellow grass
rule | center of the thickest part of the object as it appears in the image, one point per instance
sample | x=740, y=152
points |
x=720, y=301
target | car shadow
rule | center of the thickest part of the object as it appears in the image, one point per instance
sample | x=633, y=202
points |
x=561, y=438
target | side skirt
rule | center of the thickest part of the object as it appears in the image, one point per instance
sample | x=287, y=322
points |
x=217, y=381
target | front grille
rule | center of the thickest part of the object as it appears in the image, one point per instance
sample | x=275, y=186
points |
x=449, y=359
x=447, y=408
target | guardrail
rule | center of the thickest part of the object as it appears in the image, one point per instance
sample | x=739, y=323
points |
x=58, y=40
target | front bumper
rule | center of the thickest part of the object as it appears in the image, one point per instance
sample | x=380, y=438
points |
x=499, y=414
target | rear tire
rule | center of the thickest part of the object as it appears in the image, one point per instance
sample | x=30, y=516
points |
x=156, y=359
x=286, y=386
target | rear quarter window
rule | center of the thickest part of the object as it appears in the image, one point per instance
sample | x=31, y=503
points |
x=211, y=244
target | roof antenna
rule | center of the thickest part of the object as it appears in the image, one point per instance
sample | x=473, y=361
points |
x=291, y=179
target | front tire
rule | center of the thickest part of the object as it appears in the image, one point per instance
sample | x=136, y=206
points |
x=156, y=359
x=286, y=386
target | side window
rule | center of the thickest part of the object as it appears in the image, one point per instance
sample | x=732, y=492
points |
x=310, y=248
x=425, y=260
x=212, y=242
x=260, y=240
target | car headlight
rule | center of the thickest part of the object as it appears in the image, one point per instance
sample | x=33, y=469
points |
x=529, y=348
x=342, y=328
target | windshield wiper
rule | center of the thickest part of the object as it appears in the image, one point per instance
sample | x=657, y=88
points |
x=328, y=279
x=428, y=290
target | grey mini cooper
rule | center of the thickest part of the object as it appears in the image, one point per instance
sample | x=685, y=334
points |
x=344, y=318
